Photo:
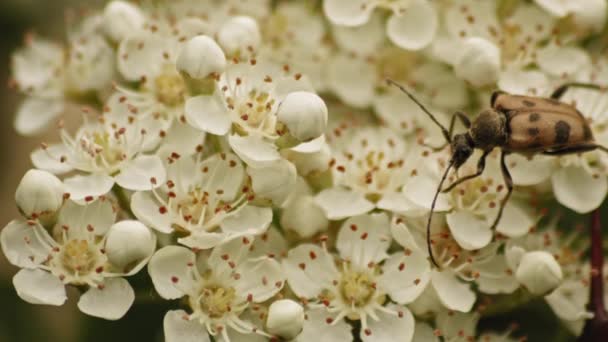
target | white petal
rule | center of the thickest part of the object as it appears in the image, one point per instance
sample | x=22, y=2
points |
x=309, y=270
x=274, y=181
x=39, y=287
x=261, y=279
x=515, y=221
x=170, y=271
x=178, y=328
x=455, y=324
x=390, y=327
x=414, y=29
x=303, y=216
x=523, y=82
x=250, y=220
x=563, y=61
x=569, y=300
x=421, y=189
x=253, y=150
x=339, y=203
x=364, y=39
x=452, y=293
x=398, y=203
x=23, y=244
x=112, y=302
x=402, y=235
x=578, y=190
x=347, y=12
x=530, y=172
x=146, y=209
x=98, y=215
x=468, y=230
x=49, y=159
x=352, y=79
x=364, y=239
x=140, y=54
x=208, y=113
x=225, y=174
x=405, y=276
x=558, y=8
x=205, y=240
x=479, y=63
x=316, y=328
x=138, y=173
x=36, y=114
x=181, y=138
x=93, y=185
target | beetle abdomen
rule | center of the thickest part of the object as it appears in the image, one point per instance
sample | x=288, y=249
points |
x=546, y=131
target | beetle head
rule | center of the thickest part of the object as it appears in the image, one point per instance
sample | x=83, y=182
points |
x=462, y=148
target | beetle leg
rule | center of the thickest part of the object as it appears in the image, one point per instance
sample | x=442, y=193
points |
x=557, y=93
x=506, y=175
x=465, y=122
x=481, y=164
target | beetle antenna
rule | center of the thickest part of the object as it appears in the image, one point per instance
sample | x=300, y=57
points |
x=428, y=224
x=445, y=132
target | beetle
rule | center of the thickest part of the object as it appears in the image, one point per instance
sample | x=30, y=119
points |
x=520, y=124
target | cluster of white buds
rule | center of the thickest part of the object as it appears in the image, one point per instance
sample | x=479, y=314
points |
x=251, y=155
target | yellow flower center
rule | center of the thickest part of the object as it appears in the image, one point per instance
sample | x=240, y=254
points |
x=216, y=301
x=79, y=257
x=357, y=288
x=170, y=89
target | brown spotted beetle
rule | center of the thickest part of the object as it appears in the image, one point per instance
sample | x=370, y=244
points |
x=516, y=124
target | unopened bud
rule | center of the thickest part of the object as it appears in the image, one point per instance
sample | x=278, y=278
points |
x=39, y=194
x=129, y=244
x=201, y=57
x=285, y=319
x=239, y=34
x=304, y=114
x=539, y=272
x=120, y=19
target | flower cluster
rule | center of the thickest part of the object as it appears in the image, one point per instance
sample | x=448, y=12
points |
x=250, y=154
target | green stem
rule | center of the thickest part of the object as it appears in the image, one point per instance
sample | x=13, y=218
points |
x=502, y=304
x=123, y=200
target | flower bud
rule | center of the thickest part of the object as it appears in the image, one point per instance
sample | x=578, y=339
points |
x=302, y=214
x=589, y=14
x=304, y=114
x=201, y=57
x=539, y=272
x=129, y=244
x=120, y=19
x=239, y=34
x=39, y=194
x=479, y=63
x=285, y=319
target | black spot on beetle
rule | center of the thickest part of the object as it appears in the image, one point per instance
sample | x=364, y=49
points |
x=562, y=132
x=534, y=117
x=587, y=132
x=528, y=103
x=533, y=131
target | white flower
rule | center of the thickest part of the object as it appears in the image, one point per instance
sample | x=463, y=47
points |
x=456, y=326
x=356, y=283
x=370, y=171
x=109, y=150
x=320, y=326
x=206, y=202
x=587, y=15
x=120, y=19
x=39, y=194
x=539, y=272
x=82, y=250
x=244, y=107
x=274, y=182
x=412, y=25
x=239, y=36
x=38, y=72
x=285, y=319
x=295, y=36
x=218, y=289
x=201, y=57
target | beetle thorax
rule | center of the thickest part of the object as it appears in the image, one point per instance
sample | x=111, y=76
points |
x=489, y=130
